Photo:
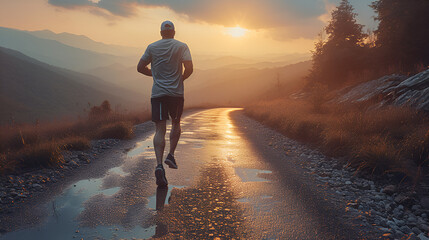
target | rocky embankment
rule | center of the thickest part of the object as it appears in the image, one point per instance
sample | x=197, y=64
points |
x=396, y=210
x=384, y=204
x=394, y=89
x=16, y=189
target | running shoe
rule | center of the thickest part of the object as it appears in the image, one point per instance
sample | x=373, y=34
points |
x=161, y=181
x=170, y=161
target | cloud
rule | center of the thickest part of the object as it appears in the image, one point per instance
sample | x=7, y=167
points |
x=71, y=3
x=329, y=7
x=251, y=14
x=284, y=18
x=304, y=29
x=123, y=8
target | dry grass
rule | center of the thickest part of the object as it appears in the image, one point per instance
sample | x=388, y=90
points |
x=35, y=145
x=75, y=143
x=118, y=130
x=377, y=140
x=45, y=154
x=6, y=165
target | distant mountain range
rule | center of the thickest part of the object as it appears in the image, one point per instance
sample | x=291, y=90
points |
x=57, y=53
x=80, y=53
x=32, y=90
x=233, y=62
x=83, y=42
x=237, y=87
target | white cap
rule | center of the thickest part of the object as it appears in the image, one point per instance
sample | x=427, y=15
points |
x=167, y=25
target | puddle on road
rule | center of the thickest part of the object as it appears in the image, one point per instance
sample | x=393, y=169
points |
x=65, y=209
x=119, y=171
x=243, y=200
x=255, y=199
x=141, y=147
x=188, y=133
x=266, y=197
x=251, y=175
x=195, y=143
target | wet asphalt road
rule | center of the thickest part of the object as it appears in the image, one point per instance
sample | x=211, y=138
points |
x=231, y=184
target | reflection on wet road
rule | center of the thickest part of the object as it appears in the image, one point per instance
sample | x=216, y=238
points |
x=224, y=188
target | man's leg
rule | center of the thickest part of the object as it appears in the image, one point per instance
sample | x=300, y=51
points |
x=174, y=136
x=159, y=116
x=175, y=110
x=159, y=140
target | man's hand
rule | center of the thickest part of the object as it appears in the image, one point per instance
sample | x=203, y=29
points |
x=189, y=68
x=143, y=69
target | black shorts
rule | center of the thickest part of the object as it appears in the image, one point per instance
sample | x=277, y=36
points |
x=162, y=107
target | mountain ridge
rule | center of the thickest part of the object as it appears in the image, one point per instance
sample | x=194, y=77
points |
x=56, y=53
x=35, y=90
x=86, y=43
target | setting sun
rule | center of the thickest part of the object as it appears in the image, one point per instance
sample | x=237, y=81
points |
x=236, y=31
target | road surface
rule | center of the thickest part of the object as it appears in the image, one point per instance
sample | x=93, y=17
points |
x=231, y=184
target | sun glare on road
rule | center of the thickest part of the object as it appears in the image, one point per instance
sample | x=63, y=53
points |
x=236, y=31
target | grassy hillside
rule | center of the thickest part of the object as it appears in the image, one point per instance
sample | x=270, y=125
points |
x=33, y=90
x=389, y=139
x=27, y=146
x=375, y=140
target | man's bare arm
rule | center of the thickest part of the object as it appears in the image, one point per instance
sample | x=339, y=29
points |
x=143, y=69
x=189, y=69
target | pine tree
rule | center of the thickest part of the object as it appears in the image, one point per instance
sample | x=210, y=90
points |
x=343, y=29
x=341, y=55
x=403, y=33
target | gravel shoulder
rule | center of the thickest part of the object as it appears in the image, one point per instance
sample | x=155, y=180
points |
x=384, y=210
x=23, y=197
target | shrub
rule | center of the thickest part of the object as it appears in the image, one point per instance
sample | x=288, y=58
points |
x=46, y=154
x=318, y=97
x=16, y=139
x=417, y=146
x=6, y=165
x=378, y=155
x=336, y=142
x=308, y=131
x=102, y=111
x=119, y=130
x=75, y=143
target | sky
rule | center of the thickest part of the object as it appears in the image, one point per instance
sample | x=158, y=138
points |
x=209, y=27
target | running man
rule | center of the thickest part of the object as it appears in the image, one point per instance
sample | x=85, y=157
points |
x=166, y=57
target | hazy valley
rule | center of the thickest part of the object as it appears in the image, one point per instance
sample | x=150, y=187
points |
x=49, y=75
x=34, y=90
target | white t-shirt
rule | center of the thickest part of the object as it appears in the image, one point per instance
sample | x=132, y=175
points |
x=166, y=57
